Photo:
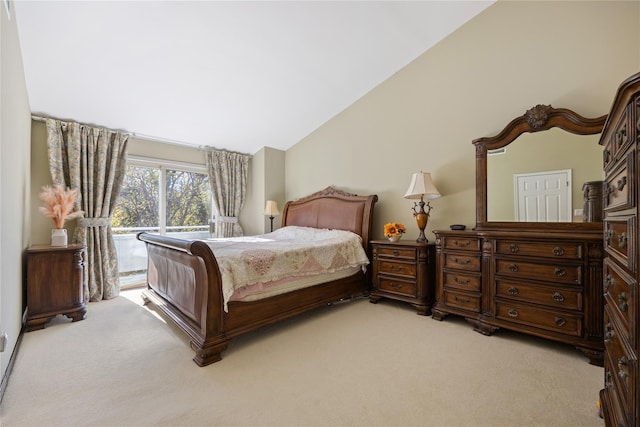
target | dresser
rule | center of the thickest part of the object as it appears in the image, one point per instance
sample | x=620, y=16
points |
x=54, y=284
x=404, y=271
x=619, y=398
x=528, y=265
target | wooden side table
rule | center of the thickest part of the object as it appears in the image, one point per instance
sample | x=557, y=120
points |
x=54, y=284
x=404, y=271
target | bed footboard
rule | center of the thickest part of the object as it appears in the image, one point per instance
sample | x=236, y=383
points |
x=184, y=282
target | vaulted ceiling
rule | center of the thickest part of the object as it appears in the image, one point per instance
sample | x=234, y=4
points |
x=236, y=75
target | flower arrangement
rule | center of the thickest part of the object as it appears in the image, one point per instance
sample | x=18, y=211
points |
x=58, y=204
x=393, y=229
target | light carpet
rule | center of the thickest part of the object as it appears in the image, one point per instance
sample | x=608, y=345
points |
x=350, y=364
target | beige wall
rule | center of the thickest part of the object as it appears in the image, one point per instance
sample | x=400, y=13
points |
x=511, y=57
x=266, y=182
x=15, y=131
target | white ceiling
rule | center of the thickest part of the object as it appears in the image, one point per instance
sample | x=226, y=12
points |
x=234, y=75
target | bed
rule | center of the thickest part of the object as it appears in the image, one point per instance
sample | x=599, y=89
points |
x=184, y=277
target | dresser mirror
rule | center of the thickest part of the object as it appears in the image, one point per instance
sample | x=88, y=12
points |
x=544, y=140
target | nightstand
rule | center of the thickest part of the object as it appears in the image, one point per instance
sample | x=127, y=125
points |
x=404, y=271
x=54, y=284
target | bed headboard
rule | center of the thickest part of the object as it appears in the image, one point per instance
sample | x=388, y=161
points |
x=334, y=209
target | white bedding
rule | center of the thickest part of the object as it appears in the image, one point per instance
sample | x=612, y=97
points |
x=287, y=252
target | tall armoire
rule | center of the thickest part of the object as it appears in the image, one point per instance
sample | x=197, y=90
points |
x=619, y=398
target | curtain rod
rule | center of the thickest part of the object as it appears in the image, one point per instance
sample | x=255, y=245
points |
x=156, y=139
x=137, y=136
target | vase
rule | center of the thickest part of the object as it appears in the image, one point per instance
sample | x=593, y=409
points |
x=395, y=238
x=58, y=237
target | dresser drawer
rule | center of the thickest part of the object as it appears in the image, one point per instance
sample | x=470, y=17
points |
x=620, y=293
x=462, y=261
x=463, y=243
x=550, y=272
x=619, y=139
x=570, y=324
x=621, y=360
x=397, y=286
x=466, y=282
x=554, y=250
x=619, y=236
x=395, y=252
x=460, y=300
x=619, y=188
x=551, y=296
x=399, y=268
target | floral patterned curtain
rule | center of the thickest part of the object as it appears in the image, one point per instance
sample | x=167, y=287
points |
x=228, y=180
x=91, y=160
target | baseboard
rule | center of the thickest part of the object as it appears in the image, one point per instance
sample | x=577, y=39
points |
x=12, y=360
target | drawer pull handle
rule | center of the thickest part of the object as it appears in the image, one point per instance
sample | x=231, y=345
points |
x=608, y=333
x=461, y=281
x=513, y=267
x=396, y=268
x=558, y=251
x=513, y=313
x=622, y=299
x=560, y=321
x=464, y=300
x=560, y=272
x=608, y=235
x=395, y=285
x=462, y=262
x=608, y=281
x=607, y=380
x=462, y=244
x=621, y=363
x=621, y=183
x=395, y=253
x=558, y=297
x=622, y=240
x=512, y=291
x=513, y=248
x=622, y=133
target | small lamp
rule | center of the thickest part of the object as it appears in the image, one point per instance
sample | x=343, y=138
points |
x=272, y=210
x=421, y=187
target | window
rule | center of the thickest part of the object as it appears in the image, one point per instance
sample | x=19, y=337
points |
x=159, y=197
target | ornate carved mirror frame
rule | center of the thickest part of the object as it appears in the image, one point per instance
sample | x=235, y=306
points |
x=536, y=119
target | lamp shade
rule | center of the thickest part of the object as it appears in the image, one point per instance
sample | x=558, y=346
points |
x=422, y=186
x=271, y=208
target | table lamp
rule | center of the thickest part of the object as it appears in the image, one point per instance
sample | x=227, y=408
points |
x=272, y=210
x=421, y=187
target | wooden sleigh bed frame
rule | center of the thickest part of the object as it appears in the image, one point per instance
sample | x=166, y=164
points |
x=184, y=281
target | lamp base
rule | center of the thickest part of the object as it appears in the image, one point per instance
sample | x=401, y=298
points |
x=421, y=219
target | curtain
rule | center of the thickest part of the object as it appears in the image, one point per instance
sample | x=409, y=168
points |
x=93, y=161
x=228, y=180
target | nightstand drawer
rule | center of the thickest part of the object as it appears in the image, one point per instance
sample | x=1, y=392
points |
x=400, y=268
x=397, y=286
x=396, y=252
x=460, y=300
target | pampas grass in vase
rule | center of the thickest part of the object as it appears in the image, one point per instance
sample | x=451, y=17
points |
x=58, y=205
